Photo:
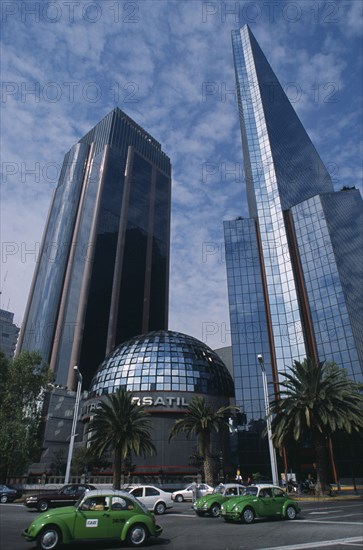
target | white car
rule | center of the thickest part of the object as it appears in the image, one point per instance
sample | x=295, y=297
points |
x=202, y=489
x=156, y=500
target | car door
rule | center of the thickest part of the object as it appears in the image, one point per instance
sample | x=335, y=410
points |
x=279, y=498
x=265, y=503
x=151, y=495
x=94, y=519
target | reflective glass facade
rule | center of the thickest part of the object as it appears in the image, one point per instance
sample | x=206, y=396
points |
x=294, y=267
x=163, y=361
x=103, y=274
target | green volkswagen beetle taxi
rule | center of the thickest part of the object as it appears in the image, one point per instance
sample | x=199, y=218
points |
x=260, y=501
x=100, y=514
x=211, y=504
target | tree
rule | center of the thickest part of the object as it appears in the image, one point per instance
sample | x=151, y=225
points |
x=316, y=401
x=201, y=421
x=23, y=383
x=123, y=427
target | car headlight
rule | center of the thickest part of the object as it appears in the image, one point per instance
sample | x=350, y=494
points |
x=205, y=505
x=31, y=499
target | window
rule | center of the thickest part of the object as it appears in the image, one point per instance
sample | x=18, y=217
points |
x=151, y=492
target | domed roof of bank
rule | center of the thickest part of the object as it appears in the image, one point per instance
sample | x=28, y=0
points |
x=163, y=361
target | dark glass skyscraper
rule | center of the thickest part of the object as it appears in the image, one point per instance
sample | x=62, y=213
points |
x=294, y=267
x=103, y=272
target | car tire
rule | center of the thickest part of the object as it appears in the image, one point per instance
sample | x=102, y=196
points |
x=49, y=538
x=160, y=508
x=137, y=535
x=290, y=512
x=3, y=499
x=42, y=506
x=179, y=498
x=215, y=510
x=248, y=515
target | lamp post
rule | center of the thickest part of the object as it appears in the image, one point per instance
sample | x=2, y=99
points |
x=275, y=476
x=74, y=423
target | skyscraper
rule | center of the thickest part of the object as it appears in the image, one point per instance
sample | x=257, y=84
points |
x=294, y=267
x=103, y=271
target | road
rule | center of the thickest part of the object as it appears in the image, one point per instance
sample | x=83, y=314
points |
x=325, y=525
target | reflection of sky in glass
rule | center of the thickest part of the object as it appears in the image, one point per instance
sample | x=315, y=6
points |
x=284, y=308
x=165, y=361
x=329, y=314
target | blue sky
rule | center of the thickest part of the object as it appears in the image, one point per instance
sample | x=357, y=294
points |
x=168, y=64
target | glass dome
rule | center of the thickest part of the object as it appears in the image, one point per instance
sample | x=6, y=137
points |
x=163, y=361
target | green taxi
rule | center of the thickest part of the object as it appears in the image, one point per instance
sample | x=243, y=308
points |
x=211, y=504
x=260, y=501
x=98, y=515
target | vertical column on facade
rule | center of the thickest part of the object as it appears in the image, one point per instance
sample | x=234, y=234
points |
x=149, y=253
x=74, y=359
x=70, y=263
x=116, y=286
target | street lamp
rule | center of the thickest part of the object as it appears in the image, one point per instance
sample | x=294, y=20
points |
x=275, y=476
x=74, y=423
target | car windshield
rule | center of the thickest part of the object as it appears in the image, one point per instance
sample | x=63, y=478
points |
x=219, y=489
x=76, y=505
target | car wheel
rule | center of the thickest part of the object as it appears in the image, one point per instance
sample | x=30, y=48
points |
x=248, y=515
x=290, y=512
x=49, y=538
x=160, y=509
x=179, y=498
x=3, y=499
x=137, y=535
x=42, y=506
x=215, y=510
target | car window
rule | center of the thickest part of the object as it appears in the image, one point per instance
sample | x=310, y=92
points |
x=266, y=493
x=136, y=492
x=231, y=491
x=278, y=492
x=120, y=503
x=66, y=490
x=251, y=491
x=218, y=490
x=95, y=504
x=151, y=492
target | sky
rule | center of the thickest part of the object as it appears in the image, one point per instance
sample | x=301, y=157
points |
x=168, y=64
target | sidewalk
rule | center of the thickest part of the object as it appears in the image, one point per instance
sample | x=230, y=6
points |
x=346, y=492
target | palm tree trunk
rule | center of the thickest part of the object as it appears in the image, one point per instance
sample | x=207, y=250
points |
x=117, y=469
x=207, y=459
x=321, y=474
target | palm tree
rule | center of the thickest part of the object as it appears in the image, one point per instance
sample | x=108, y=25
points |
x=201, y=421
x=316, y=400
x=121, y=426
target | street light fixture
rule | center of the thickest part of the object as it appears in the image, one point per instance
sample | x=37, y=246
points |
x=275, y=476
x=74, y=423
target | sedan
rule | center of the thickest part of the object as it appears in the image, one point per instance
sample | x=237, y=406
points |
x=9, y=493
x=201, y=489
x=260, y=501
x=153, y=498
x=211, y=504
x=101, y=515
x=67, y=495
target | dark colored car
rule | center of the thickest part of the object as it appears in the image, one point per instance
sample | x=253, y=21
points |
x=9, y=493
x=98, y=515
x=66, y=496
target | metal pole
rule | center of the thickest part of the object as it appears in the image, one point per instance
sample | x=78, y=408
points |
x=74, y=424
x=275, y=475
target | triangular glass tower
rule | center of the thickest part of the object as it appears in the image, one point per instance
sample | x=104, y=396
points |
x=294, y=267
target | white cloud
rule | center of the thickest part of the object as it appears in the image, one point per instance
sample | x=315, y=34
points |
x=167, y=51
